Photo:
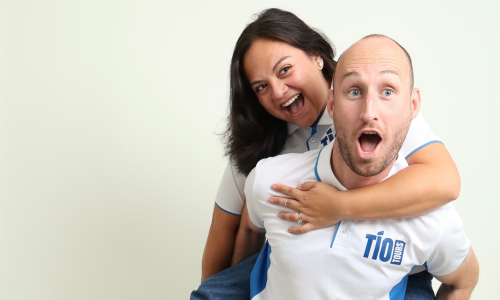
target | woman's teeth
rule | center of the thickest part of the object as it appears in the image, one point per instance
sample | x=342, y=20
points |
x=290, y=101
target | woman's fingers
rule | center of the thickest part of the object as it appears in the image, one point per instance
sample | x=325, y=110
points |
x=290, y=191
x=302, y=229
x=292, y=217
x=306, y=186
x=285, y=202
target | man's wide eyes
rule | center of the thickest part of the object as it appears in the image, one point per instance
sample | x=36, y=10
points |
x=354, y=92
x=387, y=92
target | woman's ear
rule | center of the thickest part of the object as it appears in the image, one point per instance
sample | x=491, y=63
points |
x=319, y=61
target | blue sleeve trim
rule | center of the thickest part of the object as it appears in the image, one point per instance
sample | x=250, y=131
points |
x=338, y=225
x=314, y=130
x=227, y=211
x=431, y=142
x=316, y=166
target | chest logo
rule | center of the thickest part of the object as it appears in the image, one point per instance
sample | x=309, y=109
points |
x=328, y=137
x=385, y=250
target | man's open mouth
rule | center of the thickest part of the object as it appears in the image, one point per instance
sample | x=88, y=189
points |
x=368, y=141
x=294, y=105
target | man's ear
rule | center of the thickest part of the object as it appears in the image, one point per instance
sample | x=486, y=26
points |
x=415, y=102
x=329, y=104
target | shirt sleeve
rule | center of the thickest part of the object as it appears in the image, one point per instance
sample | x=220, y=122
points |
x=230, y=195
x=453, y=244
x=252, y=205
x=419, y=135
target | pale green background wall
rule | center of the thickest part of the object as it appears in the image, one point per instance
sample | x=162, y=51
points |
x=109, y=158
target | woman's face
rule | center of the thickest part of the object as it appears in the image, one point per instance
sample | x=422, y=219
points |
x=288, y=83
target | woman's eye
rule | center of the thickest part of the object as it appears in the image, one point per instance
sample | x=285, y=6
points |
x=387, y=92
x=354, y=92
x=260, y=88
x=284, y=70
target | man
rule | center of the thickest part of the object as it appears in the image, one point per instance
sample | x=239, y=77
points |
x=372, y=105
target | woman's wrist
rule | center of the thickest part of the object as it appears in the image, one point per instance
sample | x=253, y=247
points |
x=347, y=206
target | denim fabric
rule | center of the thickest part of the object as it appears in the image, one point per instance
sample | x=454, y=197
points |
x=419, y=287
x=234, y=283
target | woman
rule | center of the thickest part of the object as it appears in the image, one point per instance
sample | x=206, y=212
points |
x=278, y=102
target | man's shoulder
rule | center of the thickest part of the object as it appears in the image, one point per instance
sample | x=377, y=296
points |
x=290, y=169
x=276, y=165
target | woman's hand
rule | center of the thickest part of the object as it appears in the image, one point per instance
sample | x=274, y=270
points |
x=320, y=205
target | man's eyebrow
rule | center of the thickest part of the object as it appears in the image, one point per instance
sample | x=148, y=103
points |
x=387, y=72
x=274, y=69
x=356, y=74
x=350, y=74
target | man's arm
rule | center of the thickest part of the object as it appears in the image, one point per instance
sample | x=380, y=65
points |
x=249, y=238
x=459, y=284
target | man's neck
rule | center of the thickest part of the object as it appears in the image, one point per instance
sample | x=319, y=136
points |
x=347, y=177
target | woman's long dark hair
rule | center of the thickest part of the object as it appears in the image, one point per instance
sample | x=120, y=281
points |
x=252, y=133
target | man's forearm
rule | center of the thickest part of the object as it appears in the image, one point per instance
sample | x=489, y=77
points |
x=448, y=292
x=459, y=284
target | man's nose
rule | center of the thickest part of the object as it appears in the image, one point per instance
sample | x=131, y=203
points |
x=369, y=111
x=279, y=89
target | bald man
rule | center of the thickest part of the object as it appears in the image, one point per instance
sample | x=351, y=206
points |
x=372, y=105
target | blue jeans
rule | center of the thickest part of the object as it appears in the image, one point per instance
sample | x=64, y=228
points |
x=419, y=287
x=234, y=283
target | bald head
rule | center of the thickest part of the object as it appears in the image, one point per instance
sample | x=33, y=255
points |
x=380, y=44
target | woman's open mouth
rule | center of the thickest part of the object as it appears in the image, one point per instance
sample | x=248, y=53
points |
x=294, y=105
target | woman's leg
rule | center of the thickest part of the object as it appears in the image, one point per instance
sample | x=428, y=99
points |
x=419, y=287
x=232, y=283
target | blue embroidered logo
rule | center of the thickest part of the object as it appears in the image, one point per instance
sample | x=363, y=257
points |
x=385, y=250
x=328, y=137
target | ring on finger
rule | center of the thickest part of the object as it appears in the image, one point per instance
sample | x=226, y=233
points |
x=300, y=219
x=286, y=202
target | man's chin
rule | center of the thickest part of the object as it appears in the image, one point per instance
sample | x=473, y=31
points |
x=368, y=167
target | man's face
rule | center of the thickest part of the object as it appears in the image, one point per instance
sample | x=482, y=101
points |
x=373, y=104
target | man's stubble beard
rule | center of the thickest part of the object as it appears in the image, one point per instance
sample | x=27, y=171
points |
x=367, y=168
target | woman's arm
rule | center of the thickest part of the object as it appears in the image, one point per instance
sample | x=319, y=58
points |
x=220, y=243
x=230, y=200
x=248, y=240
x=430, y=181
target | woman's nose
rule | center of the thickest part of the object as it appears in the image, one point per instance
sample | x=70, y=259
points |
x=279, y=89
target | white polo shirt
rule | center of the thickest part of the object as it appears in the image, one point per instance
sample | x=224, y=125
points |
x=351, y=260
x=230, y=195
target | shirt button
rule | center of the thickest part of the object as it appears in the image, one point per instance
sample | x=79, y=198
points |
x=344, y=230
x=313, y=140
